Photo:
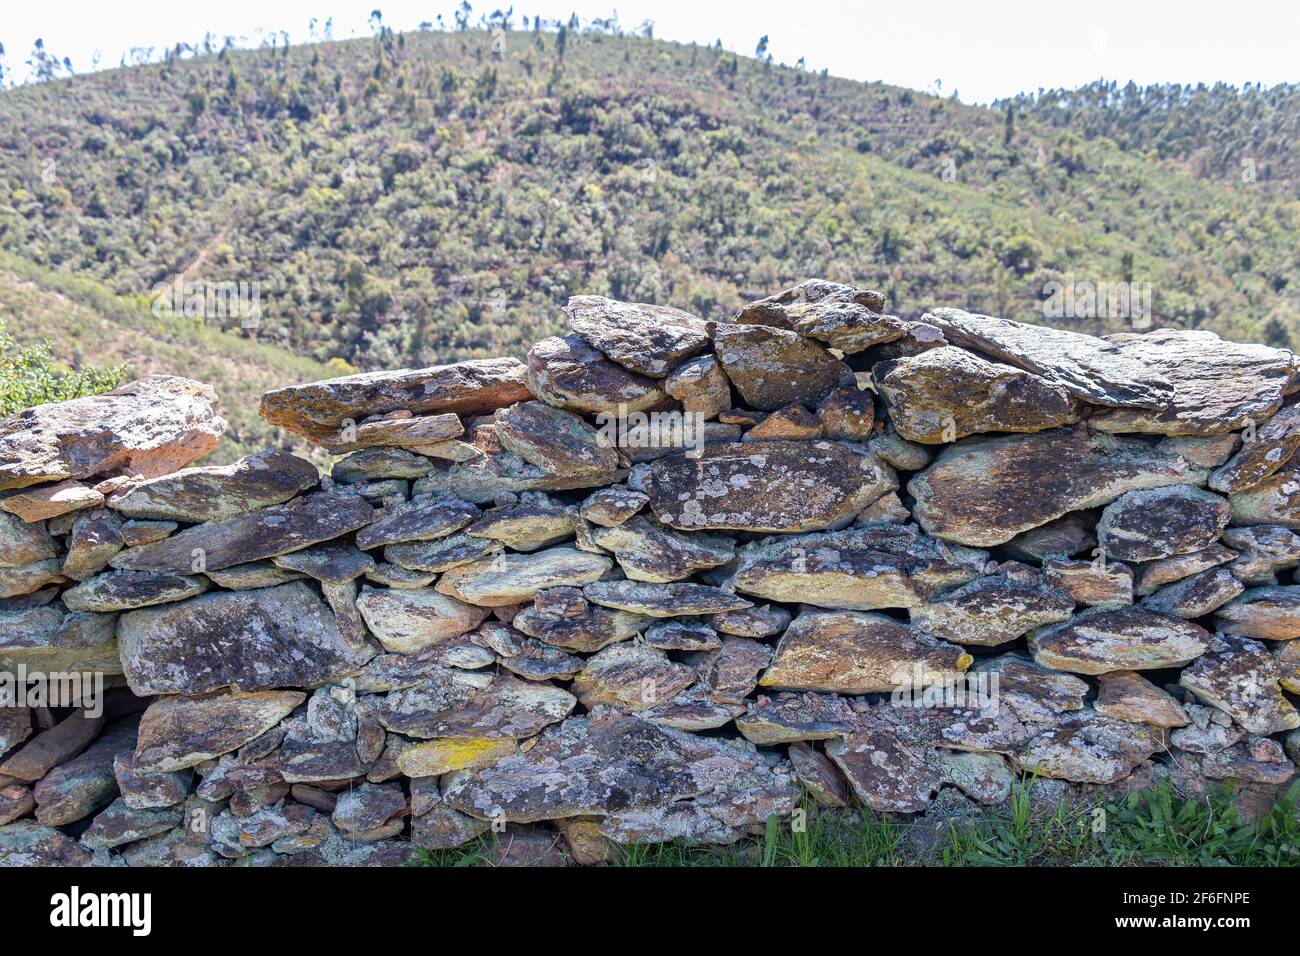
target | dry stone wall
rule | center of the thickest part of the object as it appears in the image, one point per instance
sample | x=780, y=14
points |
x=665, y=580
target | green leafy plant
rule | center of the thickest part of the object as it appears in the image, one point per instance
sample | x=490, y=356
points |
x=29, y=376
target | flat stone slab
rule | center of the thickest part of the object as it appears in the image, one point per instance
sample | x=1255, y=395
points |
x=596, y=628
x=1088, y=748
x=214, y=492
x=50, y=501
x=423, y=518
x=407, y=621
x=650, y=340
x=1275, y=500
x=984, y=491
x=320, y=409
x=855, y=652
x=1096, y=370
x=149, y=427
x=1156, y=523
x=1197, y=596
x=1241, y=678
x=630, y=677
x=1153, y=575
x=1127, y=695
x=786, y=718
x=766, y=486
x=249, y=640
x=1101, y=640
x=1272, y=446
x=663, y=600
x=1265, y=614
x=948, y=393
x=473, y=705
x=647, y=551
x=566, y=372
x=126, y=590
x=992, y=610
x=250, y=537
x=414, y=432
x=515, y=578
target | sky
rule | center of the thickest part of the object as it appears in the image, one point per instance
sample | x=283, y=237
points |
x=981, y=50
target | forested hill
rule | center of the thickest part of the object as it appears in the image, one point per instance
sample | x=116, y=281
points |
x=417, y=198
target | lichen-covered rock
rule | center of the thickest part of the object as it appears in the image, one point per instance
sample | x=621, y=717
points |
x=1100, y=640
x=1196, y=596
x=1266, y=614
x=23, y=544
x=515, y=578
x=1062, y=538
x=986, y=490
x=786, y=718
x=664, y=600
x=701, y=386
x=1093, y=583
x=766, y=486
x=730, y=674
x=95, y=537
x=250, y=537
x=362, y=813
x=537, y=660
x=793, y=423
x=1086, y=747
x=215, y=492
x=46, y=640
x=1240, y=677
x=784, y=308
x=148, y=427
x=682, y=634
x=149, y=789
x=16, y=802
x=558, y=442
x=249, y=640
x=52, y=747
x=650, y=552
x=948, y=393
x=852, y=652
x=125, y=590
x=1156, y=523
x=651, y=340
x=76, y=789
x=1209, y=731
x=646, y=782
x=862, y=568
x=886, y=773
x=1127, y=695
x=847, y=414
x=992, y=610
x=595, y=628
x=611, y=507
x=1261, y=551
x=396, y=430
x=1031, y=692
x=120, y=823
x=470, y=704
x=177, y=733
x=442, y=554
x=50, y=501
x=1093, y=369
x=1271, y=447
x=773, y=368
x=1275, y=500
x=765, y=620
x=28, y=843
x=819, y=775
x=533, y=522
x=1218, y=386
x=320, y=409
x=1257, y=760
x=631, y=677
x=1153, y=575
x=407, y=621
x=423, y=518
x=566, y=372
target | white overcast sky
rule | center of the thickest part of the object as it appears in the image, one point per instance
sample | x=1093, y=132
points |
x=984, y=50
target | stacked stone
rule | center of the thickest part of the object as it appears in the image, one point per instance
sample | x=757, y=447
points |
x=518, y=602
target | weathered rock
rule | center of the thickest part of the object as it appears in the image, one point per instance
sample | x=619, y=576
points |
x=1196, y=596
x=948, y=393
x=884, y=772
x=847, y=414
x=682, y=634
x=1218, y=386
x=730, y=674
x=149, y=789
x=1087, y=747
x=665, y=784
x=610, y=507
x=667, y=600
x=248, y=577
x=362, y=811
x=148, y=427
x=27, y=843
x=844, y=317
x=23, y=544
x=984, y=491
x=216, y=492
x=124, y=590
x=76, y=789
x=248, y=640
x=649, y=552
x=135, y=533
x=1099, y=640
x=395, y=576
x=852, y=652
x=536, y=660
x=1209, y=731
x=651, y=340
x=1272, y=446
x=50, y=501
x=1261, y=551
x=15, y=727
x=438, y=826
x=984, y=777
x=531, y=523
x=515, y=578
x=16, y=801
x=371, y=465
x=1030, y=691
x=1155, y=523
x=1258, y=760
x=630, y=677
x=45, y=639
x=52, y=747
x=95, y=537
x=773, y=368
x=1238, y=676
x=120, y=823
x=319, y=409
x=819, y=776
x=782, y=309
x=407, y=621
x=1096, y=370
x=250, y=537
x=861, y=568
x=1153, y=575
x=597, y=628
x=766, y=486
x=1062, y=538
x=1094, y=583
x=693, y=710
x=423, y=518
x=992, y=610
x=235, y=837
x=566, y=372
x=413, y=432
x=1288, y=659
x=177, y=733
x=328, y=563
x=502, y=472
x=1266, y=614
x=558, y=442
x=442, y=554
x=765, y=620
x=1127, y=695
x=701, y=386
x=786, y=718
x=16, y=582
x=467, y=705
x=1275, y=500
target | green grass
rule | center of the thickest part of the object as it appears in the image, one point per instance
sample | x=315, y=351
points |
x=1151, y=827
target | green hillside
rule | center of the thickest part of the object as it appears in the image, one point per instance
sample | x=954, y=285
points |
x=417, y=198
x=88, y=325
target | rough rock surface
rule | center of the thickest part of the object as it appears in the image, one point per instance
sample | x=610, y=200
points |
x=1100, y=640
x=773, y=368
x=1160, y=522
x=214, y=492
x=651, y=340
x=568, y=373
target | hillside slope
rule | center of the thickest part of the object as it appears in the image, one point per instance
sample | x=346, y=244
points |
x=417, y=198
x=87, y=324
